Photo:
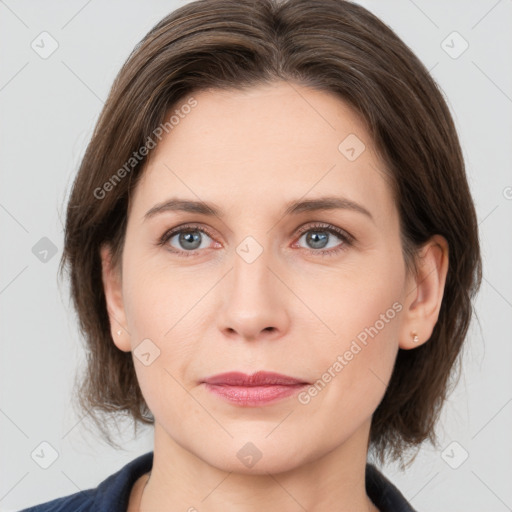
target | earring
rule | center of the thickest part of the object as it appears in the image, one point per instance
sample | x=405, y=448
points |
x=119, y=332
x=415, y=338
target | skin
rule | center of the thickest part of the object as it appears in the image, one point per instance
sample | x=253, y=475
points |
x=291, y=310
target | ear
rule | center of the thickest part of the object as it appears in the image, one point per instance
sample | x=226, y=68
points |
x=424, y=294
x=112, y=286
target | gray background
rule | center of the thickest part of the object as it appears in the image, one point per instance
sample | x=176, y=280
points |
x=48, y=110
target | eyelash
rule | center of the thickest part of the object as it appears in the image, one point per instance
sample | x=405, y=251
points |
x=347, y=240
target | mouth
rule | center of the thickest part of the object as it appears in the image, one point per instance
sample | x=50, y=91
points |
x=255, y=390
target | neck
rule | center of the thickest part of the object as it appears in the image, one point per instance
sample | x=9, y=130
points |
x=182, y=481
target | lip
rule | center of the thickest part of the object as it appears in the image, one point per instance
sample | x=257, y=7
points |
x=256, y=379
x=254, y=390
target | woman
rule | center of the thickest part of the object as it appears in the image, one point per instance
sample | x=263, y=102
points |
x=268, y=259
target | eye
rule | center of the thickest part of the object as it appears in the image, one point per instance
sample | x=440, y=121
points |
x=186, y=240
x=321, y=239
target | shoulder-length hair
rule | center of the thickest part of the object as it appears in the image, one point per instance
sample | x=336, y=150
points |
x=330, y=45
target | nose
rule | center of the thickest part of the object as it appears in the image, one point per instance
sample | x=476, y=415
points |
x=254, y=304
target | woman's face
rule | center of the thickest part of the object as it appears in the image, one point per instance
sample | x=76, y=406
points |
x=271, y=282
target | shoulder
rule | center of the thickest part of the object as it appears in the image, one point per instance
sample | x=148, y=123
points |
x=111, y=495
x=384, y=494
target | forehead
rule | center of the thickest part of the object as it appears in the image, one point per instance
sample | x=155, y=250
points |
x=265, y=145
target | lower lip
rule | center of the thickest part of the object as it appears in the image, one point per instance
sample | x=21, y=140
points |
x=253, y=396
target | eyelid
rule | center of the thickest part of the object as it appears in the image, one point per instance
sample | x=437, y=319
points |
x=327, y=227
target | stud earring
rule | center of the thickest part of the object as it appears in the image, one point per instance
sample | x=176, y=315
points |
x=119, y=332
x=415, y=338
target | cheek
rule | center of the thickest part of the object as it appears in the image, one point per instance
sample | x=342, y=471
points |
x=360, y=302
x=352, y=370
x=158, y=298
x=161, y=305
x=356, y=356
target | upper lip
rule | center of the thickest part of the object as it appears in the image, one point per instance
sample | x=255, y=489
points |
x=257, y=379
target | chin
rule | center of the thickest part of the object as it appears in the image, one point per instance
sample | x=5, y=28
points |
x=257, y=457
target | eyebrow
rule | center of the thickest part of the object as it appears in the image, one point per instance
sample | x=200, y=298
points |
x=293, y=208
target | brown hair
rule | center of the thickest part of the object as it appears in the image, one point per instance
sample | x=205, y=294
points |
x=330, y=45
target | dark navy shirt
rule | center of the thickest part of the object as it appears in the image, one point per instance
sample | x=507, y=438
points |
x=112, y=495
